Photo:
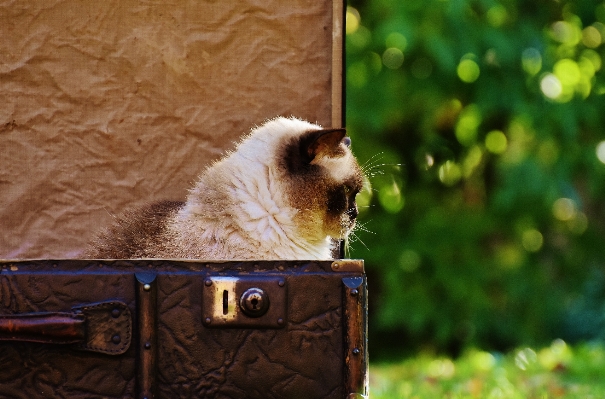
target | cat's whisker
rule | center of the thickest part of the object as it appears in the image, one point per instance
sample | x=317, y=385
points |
x=362, y=227
x=355, y=238
x=369, y=161
x=373, y=171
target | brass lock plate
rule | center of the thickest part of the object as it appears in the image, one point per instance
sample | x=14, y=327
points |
x=244, y=301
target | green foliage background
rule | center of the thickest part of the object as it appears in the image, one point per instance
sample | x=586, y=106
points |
x=481, y=125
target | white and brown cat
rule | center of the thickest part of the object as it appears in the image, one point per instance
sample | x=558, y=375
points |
x=286, y=192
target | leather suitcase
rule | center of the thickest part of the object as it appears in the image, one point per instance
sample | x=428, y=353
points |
x=183, y=329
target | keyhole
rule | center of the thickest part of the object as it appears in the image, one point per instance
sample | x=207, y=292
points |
x=254, y=302
x=225, y=302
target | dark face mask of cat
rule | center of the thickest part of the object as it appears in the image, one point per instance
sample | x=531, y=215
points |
x=328, y=179
x=342, y=208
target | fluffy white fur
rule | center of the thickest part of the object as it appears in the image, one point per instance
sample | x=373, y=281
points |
x=238, y=206
x=286, y=192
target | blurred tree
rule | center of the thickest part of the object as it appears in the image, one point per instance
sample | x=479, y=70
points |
x=480, y=123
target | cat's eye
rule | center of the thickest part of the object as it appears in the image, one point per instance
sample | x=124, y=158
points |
x=349, y=190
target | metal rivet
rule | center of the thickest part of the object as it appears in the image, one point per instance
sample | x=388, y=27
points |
x=280, y=321
x=354, y=292
x=208, y=320
x=208, y=282
x=335, y=265
x=281, y=283
x=356, y=351
x=116, y=339
x=147, y=287
x=115, y=313
x=147, y=345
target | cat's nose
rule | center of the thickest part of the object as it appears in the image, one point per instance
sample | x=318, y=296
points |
x=353, y=211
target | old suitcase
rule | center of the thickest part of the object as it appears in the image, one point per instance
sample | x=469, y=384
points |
x=182, y=329
x=116, y=103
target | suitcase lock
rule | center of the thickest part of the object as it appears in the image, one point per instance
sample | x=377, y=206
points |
x=244, y=302
x=254, y=302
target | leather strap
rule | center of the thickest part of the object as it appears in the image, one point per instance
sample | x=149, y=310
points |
x=54, y=328
x=104, y=327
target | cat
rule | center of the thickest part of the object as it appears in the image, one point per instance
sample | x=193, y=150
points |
x=286, y=192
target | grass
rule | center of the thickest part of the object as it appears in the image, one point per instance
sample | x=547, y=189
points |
x=557, y=371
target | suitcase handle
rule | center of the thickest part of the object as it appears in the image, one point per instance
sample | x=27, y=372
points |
x=55, y=328
x=104, y=327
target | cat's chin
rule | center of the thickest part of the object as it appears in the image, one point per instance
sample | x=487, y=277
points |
x=345, y=229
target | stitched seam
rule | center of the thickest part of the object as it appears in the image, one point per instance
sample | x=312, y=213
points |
x=126, y=343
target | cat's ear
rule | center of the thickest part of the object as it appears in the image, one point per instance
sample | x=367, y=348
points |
x=325, y=142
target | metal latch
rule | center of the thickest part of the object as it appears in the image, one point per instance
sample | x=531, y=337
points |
x=244, y=301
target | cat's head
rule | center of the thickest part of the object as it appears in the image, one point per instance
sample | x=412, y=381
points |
x=323, y=178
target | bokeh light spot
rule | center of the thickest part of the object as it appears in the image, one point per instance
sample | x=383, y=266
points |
x=554, y=356
x=409, y=260
x=472, y=161
x=591, y=37
x=509, y=256
x=532, y=240
x=396, y=40
x=565, y=32
x=391, y=198
x=468, y=123
x=450, y=173
x=601, y=151
x=441, y=368
x=429, y=160
x=352, y=20
x=568, y=72
x=593, y=57
x=468, y=70
x=587, y=68
x=496, y=142
x=526, y=358
x=497, y=15
x=392, y=58
x=483, y=361
x=551, y=86
x=564, y=209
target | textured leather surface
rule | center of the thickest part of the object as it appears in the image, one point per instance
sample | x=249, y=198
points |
x=302, y=360
x=108, y=327
x=55, y=371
